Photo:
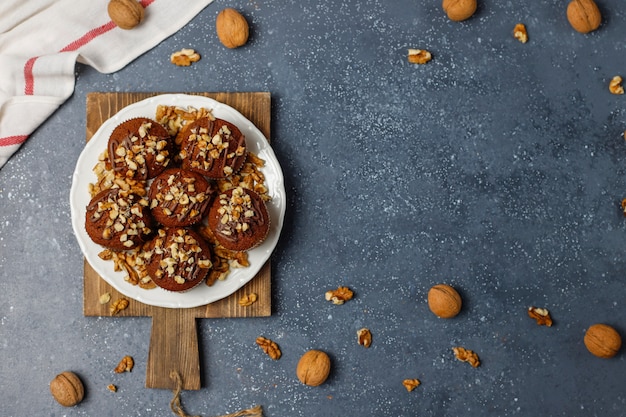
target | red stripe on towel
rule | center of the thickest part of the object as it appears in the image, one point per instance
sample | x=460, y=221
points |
x=13, y=140
x=88, y=37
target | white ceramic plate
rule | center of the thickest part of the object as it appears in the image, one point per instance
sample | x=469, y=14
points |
x=202, y=294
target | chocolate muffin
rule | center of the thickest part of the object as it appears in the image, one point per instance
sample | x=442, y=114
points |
x=140, y=148
x=239, y=220
x=178, y=259
x=214, y=148
x=180, y=197
x=118, y=219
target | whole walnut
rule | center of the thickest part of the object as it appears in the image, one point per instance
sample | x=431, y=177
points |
x=444, y=301
x=126, y=14
x=232, y=28
x=584, y=15
x=67, y=389
x=313, y=368
x=459, y=10
x=603, y=340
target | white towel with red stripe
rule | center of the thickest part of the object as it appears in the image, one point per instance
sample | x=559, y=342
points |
x=41, y=41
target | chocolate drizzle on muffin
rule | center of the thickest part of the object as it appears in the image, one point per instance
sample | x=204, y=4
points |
x=212, y=147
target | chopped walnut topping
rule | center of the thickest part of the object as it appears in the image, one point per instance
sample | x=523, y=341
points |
x=132, y=154
x=419, y=56
x=364, y=337
x=236, y=211
x=269, y=347
x=339, y=296
x=184, y=57
x=615, y=85
x=466, y=355
x=247, y=300
x=126, y=365
x=541, y=315
x=411, y=384
x=520, y=33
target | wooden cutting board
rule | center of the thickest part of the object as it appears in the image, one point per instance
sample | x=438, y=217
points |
x=174, y=336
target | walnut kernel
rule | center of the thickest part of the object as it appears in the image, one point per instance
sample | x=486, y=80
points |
x=339, y=296
x=419, y=56
x=269, y=347
x=184, y=57
x=125, y=365
x=466, y=355
x=520, y=33
x=364, y=337
x=541, y=315
x=118, y=305
x=411, y=384
x=615, y=85
x=248, y=300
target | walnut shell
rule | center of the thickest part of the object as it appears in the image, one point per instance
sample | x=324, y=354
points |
x=584, y=15
x=313, y=368
x=232, y=28
x=459, y=10
x=602, y=340
x=444, y=301
x=67, y=389
x=126, y=14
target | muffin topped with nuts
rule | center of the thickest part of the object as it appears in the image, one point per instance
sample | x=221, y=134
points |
x=179, y=197
x=139, y=148
x=178, y=259
x=239, y=219
x=212, y=147
x=118, y=219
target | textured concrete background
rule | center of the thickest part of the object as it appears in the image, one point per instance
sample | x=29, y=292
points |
x=497, y=168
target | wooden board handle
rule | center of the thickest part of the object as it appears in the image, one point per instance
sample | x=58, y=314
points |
x=173, y=347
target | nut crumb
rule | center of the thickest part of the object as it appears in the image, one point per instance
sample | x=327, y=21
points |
x=615, y=86
x=364, y=337
x=541, y=315
x=269, y=347
x=184, y=57
x=248, y=300
x=520, y=33
x=118, y=305
x=125, y=365
x=411, y=384
x=105, y=298
x=339, y=296
x=112, y=388
x=466, y=355
x=419, y=56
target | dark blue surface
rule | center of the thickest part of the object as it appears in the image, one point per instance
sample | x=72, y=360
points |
x=496, y=168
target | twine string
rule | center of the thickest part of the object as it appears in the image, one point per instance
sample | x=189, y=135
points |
x=177, y=408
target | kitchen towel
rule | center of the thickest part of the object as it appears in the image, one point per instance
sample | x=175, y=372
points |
x=41, y=41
